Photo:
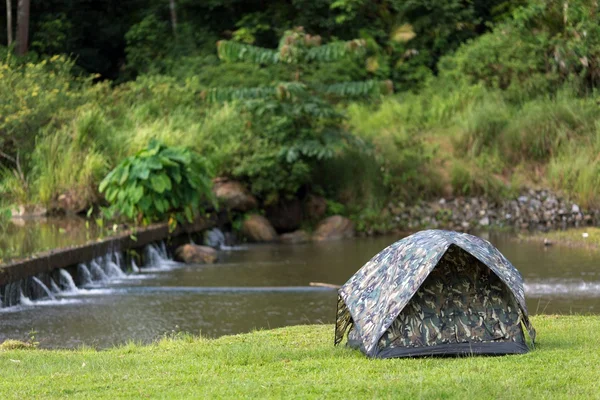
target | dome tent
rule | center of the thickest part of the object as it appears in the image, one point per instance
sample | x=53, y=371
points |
x=435, y=293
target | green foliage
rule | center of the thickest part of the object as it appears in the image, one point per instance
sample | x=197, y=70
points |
x=53, y=34
x=147, y=41
x=282, y=144
x=577, y=169
x=542, y=46
x=403, y=157
x=53, y=173
x=295, y=47
x=35, y=100
x=157, y=182
x=543, y=127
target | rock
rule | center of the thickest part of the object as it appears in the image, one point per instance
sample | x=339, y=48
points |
x=299, y=236
x=72, y=203
x=314, y=207
x=233, y=195
x=214, y=238
x=258, y=229
x=29, y=211
x=485, y=221
x=194, y=254
x=575, y=209
x=285, y=216
x=335, y=227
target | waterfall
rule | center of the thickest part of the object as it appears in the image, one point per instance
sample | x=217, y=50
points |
x=54, y=286
x=163, y=251
x=118, y=259
x=44, y=287
x=153, y=256
x=134, y=266
x=113, y=270
x=85, y=274
x=97, y=272
x=66, y=280
x=24, y=300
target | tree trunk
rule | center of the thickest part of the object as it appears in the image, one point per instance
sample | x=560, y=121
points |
x=173, y=16
x=23, y=27
x=9, y=28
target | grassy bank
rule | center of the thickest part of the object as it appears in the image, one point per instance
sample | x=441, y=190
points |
x=302, y=362
x=587, y=238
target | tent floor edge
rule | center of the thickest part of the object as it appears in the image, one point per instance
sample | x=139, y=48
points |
x=456, y=349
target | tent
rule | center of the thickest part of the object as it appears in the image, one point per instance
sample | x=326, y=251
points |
x=435, y=293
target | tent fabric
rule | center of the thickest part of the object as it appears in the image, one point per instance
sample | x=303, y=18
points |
x=481, y=278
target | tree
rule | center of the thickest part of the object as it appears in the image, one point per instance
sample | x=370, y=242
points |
x=23, y=27
x=173, y=10
x=299, y=49
x=9, y=29
x=292, y=127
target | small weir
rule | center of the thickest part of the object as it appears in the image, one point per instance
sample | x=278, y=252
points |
x=102, y=271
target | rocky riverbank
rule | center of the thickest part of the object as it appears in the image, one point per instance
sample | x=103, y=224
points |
x=533, y=210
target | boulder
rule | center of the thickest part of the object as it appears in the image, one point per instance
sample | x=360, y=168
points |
x=233, y=195
x=285, y=216
x=335, y=227
x=299, y=236
x=72, y=203
x=194, y=254
x=29, y=211
x=314, y=207
x=258, y=229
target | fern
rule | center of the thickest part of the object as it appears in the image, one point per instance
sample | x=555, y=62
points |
x=240, y=52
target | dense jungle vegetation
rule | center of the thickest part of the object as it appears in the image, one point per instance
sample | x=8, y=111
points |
x=362, y=102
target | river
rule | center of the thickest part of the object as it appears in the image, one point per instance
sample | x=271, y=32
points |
x=262, y=287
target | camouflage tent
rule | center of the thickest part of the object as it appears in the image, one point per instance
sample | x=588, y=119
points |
x=435, y=293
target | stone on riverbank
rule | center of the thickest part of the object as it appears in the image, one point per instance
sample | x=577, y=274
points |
x=29, y=211
x=72, y=203
x=285, y=216
x=335, y=227
x=257, y=228
x=315, y=207
x=299, y=236
x=194, y=254
x=233, y=195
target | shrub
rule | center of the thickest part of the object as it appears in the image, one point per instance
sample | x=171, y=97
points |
x=542, y=127
x=482, y=126
x=544, y=45
x=282, y=143
x=577, y=170
x=400, y=151
x=157, y=182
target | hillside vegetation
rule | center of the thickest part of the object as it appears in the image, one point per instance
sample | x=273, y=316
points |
x=502, y=96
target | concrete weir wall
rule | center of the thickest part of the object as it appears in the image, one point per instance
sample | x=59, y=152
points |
x=46, y=264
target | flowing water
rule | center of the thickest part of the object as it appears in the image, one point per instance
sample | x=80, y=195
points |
x=256, y=287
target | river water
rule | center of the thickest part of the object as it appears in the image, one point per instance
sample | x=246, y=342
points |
x=265, y=286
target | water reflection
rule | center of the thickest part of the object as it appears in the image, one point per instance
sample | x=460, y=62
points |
x=20, y=238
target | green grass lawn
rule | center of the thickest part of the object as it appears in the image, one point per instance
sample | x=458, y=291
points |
x=301, y=362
